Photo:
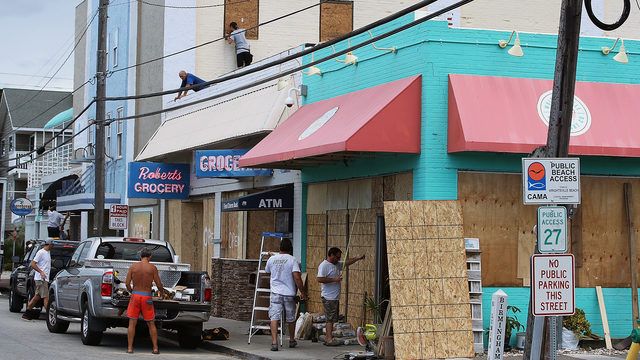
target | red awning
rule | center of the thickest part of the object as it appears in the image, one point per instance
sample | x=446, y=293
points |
x=510, y=115
x=384, y=119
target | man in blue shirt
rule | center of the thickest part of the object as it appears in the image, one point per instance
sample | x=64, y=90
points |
x=191, y=82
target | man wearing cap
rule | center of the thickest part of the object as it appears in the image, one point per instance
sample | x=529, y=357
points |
x=41, y=263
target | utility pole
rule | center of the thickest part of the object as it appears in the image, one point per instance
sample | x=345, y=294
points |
x=101, y=92
x=564, y=83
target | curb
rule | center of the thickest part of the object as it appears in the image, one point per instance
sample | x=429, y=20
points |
x=207, y=345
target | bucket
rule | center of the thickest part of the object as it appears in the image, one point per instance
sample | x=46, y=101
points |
x=520, y=340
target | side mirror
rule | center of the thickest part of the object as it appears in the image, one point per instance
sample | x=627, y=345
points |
x=15, y=259
x=72, y=263
x=58, y=263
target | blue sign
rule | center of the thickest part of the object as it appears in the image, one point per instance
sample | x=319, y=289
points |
x=224, y=163
x=21, y=206
x=158, y=181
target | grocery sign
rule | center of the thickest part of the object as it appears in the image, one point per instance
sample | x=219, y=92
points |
x=158, y=181
x=224, y=163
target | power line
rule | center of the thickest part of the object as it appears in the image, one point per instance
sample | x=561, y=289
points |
x=302, y=67
x=59, y=68
x=33, y=75
x=193, y=7
x=288, y=58
x=216, y=40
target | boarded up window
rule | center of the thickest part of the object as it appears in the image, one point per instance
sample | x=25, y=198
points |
x=336, y=18
x=244, y=13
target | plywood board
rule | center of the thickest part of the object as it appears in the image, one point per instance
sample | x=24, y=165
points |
x=427, y=274
x=245, y=13
x=526, y=248
x=336, y=19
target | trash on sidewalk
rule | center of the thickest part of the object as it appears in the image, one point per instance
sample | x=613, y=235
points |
x=218, y=333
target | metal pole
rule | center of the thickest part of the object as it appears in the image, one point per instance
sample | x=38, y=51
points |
x=3, y=209
x=98, y=216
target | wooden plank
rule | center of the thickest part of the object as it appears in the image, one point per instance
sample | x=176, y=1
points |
x=632, y=252
x=336, y=18
x=603, y=315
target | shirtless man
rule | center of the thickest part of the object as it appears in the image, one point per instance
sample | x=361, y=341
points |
x=142, y=274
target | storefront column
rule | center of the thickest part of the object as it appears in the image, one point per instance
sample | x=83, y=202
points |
x=297, y=219
x=163, y=214
x=84, y=225
x=216, y=224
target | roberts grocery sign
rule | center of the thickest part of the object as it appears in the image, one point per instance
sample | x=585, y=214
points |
x=158, y=181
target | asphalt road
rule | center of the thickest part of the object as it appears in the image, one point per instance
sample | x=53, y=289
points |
x=30, y=340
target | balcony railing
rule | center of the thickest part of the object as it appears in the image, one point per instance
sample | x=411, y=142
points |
x=53, y=162
x=21, y=161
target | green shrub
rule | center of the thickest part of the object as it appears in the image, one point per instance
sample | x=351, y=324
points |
x=577, y=323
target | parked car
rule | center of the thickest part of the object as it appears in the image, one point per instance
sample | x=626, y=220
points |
x=22, y=284
x=91, y=290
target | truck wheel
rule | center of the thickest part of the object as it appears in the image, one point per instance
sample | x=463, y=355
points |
x=89, y=337
x=15, y=301
x=190, y=336
x=54, y=324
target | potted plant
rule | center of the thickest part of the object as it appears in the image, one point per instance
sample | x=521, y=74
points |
x=577, y=323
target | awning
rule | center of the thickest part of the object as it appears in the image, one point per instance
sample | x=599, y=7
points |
x=50, y=195
x=497, y=114
x=274, y=199
x=249, y=112
x=381, y=119
x=59, y=119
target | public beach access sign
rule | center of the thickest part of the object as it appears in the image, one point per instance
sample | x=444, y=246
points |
x=553, y=284
x=550, y=181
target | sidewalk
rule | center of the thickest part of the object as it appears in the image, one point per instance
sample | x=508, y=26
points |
x=260, y=347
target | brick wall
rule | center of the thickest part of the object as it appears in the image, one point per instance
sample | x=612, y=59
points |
x=232, y=289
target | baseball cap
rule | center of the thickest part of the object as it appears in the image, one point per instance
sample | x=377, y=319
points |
x=48, y=242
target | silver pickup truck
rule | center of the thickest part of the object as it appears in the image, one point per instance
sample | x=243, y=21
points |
x=90, y=290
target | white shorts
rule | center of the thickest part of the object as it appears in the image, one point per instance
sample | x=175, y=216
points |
x=278, y=302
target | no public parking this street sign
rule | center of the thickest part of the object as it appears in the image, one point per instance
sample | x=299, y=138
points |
x=553, y=284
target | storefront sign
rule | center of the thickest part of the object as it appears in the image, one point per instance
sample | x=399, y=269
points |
x=21, y=206
x=497, y=325
x=552, y=229
x=552, y=284
x=274, y=199
x=550, y=181
x=118, y=217
x=224, y=163
x=158, y=181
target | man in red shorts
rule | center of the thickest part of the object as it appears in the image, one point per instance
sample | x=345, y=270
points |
x=142, y=274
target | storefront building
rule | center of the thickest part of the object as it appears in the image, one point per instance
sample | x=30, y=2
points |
x=481, y=111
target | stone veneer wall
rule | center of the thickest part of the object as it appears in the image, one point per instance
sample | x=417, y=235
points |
x=233, y=288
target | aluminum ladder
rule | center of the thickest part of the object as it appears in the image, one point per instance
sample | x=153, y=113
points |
x=257, y=323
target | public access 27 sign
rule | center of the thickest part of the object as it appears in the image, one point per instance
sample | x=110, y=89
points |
x=552, y=229
x=551, y=180
x=553, y=284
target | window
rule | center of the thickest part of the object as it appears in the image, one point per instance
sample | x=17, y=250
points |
x=10, y=143
x=84, y=253
x=131, y=251
x=114, y=53
x=4, y=150
x=91, y=135
x=76, y=255
x=32, y=142
x=119, y=129
x=336, y=19
x=107, y=137
x=245, y=14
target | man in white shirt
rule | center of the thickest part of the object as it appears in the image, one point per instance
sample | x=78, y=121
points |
x=56, y=220
x=41, y=263
x=330, y=279
x=284, y=272
x=243, y=50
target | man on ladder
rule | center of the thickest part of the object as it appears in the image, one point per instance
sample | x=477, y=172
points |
x=285, y=279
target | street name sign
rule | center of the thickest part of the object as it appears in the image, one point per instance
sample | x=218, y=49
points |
x=118, y=217
x=550, y=181
x=498, y=323
x=552, y=229
x=553, y=284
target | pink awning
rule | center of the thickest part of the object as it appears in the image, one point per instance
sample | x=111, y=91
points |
x=498, y=114
x=381, y=119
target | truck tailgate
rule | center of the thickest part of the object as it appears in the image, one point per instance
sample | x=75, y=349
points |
x=169, y=273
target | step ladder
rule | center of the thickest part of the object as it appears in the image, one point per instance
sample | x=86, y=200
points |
x=260, y=313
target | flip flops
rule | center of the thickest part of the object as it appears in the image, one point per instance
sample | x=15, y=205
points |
x=274, y=347
x=293, y=343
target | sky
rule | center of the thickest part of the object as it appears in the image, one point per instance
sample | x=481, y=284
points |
x=37, y=35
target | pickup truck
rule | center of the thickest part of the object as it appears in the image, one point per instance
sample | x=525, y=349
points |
x=91, y=290
x=21, y=283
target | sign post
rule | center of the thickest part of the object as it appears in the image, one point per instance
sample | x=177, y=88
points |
x=497, y=326
x=118, y=217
